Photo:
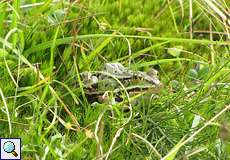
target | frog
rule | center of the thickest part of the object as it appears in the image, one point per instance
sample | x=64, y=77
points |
x=114, y=78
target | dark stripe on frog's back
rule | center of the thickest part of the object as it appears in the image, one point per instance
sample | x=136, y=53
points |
x=134, y=76
x=133, y=83
x=133, y=89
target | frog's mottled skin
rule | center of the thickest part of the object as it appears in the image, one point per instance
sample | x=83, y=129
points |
x=119, y=71
x=133, y=81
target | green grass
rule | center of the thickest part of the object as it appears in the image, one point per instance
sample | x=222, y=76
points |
x=45, y=45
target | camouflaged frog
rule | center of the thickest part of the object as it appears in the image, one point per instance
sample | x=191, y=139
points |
x=114, y=78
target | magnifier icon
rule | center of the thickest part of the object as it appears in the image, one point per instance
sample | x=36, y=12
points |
x=9, y=147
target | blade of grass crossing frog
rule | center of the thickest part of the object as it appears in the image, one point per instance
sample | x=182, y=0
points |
x=97, y=50
x=121, y=104
x=162, y=61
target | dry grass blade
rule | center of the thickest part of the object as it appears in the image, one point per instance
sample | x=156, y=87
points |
x=215, y=9
x=182, y=7
x=99, y=137
x=117, y=135
x=7, y=110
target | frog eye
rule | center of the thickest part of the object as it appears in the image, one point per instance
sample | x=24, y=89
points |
x=94, y=79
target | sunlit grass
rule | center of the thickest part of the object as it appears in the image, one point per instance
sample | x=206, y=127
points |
x=46, y=45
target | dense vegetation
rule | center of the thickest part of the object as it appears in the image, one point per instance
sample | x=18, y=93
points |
x=45, y=45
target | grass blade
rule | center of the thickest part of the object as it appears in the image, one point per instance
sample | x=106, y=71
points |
x=7, y=110
x=68, y=40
